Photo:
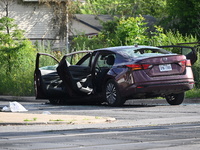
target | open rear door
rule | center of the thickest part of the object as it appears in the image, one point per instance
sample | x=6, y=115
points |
x=46, y=79
x=189, y=52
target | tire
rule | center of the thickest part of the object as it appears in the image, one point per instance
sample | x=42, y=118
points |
x=112, y=95
x=56, y=101
x=175, y=99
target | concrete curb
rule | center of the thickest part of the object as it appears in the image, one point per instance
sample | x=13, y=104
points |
x=10, y=118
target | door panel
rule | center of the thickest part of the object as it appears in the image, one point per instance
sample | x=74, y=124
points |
x=47, y=81
x=75, y=77
x=79, y=72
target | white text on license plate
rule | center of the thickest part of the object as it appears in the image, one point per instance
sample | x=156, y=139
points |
x=166, y=67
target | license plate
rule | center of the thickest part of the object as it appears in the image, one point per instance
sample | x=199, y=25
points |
x=166, y=67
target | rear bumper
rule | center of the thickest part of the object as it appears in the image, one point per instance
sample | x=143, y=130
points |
x=162, y=85
x=163, y=89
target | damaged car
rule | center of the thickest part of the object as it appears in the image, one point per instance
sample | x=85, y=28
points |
x=116, y=74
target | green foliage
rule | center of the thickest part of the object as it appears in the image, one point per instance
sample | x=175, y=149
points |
x=82, y=42
x=177, y=15
x=159, y=37
x=34, y=119
x=194, y=93
x=46, y=46
x=17, y=57
x=196, y=69
x=111, y=7
x=131, y=31
x=184, y=16
x=123, y=7
x=120, y=31
x=152, y=7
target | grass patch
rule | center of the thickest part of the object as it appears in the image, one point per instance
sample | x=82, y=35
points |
x=56, y=120
x=194, y=93
x=96, y=117
x=34, y=119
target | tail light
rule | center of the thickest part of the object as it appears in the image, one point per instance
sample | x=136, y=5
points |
x=188, y=63
x=182, y=63
x=139, y=66
x=185, y=63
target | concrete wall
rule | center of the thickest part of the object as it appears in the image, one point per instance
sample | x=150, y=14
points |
x=33, y=18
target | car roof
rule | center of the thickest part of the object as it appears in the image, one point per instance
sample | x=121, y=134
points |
x=134, y=47
x=116, y=48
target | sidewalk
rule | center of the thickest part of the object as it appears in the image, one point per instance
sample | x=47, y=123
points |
x=28, y=118
x=10, y=118
x=188, y=112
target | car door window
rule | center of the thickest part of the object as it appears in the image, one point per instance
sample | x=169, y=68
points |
x=85, y=62
x=75, y=58
x=46, y=76
x=47, y=63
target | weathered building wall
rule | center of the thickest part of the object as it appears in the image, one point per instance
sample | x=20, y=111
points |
x=33, y=18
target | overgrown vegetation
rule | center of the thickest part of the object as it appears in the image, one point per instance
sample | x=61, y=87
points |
x=130, y=31
x=121, y=31
x=123, y=7
x=194, y=93
x=181, y=15
x=17, y=56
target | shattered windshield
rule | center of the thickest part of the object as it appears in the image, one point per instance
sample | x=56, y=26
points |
x=143, y=52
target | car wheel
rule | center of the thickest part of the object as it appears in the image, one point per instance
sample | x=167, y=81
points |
x=112, y=95
x=175, y=99
x=56, y=101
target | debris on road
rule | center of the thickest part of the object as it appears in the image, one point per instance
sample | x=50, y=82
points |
x=14, y=107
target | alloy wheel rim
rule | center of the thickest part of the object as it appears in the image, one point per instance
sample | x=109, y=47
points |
x=111, y=94
x=171, y=98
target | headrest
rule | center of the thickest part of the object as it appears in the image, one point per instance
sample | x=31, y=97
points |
x=110, y=60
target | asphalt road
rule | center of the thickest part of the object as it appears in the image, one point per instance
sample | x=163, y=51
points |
x=141, y=124
x=171, y=137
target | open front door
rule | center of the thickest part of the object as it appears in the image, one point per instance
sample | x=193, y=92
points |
x=46, y=80
x=189, y=52
x=74, y=70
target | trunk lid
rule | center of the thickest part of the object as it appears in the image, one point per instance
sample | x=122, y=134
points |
x=165, y=65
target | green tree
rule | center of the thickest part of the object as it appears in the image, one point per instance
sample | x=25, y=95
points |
x=120, y=31
x=184, y=16
x=152, y=7
x=123, y=7
x=17, y=57
x=131, y=31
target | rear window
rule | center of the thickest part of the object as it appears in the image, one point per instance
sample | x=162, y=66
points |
x=147, y=52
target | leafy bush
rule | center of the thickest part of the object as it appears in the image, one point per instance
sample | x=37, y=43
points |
x=196, y=69
x=82, y=42
x=131, y=31
x=194, y=93
x=120, y=31
x=17, y=56
x=160, y=38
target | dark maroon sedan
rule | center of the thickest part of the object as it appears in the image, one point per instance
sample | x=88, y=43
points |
x=116, y=74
